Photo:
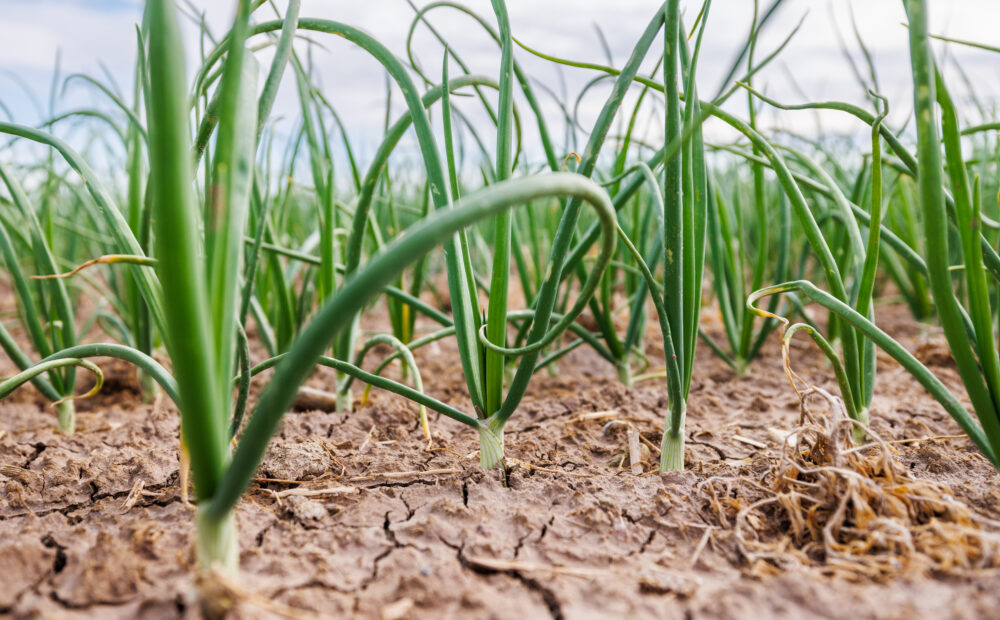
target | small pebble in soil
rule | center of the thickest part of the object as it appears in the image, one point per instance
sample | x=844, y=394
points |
x=305, y=509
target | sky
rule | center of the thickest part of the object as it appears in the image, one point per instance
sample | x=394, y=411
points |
x=97, y=37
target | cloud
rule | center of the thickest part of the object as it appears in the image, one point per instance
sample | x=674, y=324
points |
x=102, y=30
x=33, y=32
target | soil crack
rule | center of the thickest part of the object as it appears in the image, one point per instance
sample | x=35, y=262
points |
x=722, y=455
x=38, y=448
x=400, y=485
x=530, y=583
x=520, y=543
x=58, y=564
x=545, y=528
x=259, y=540
x=390, y=536
x=547, y=595
x=645, y=543
x=95, y=496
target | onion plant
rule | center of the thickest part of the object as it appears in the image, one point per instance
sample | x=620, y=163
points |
x=212, y=238
x=483, y=345
x=741, y=244
x=193, y=293
x=121, y=310
x=965, y=314
x=683, y=195
x=903, y=216
x=856, y=390
x=45, y=309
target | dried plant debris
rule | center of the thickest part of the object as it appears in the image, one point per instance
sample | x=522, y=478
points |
x=852, y=511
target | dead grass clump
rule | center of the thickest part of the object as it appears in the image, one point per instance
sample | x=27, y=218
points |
x=849, y=510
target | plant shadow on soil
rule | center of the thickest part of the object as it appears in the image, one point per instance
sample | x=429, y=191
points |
x=570, y=532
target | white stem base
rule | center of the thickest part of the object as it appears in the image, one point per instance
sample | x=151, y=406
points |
x=672, y=452
x=625, y=374
x=858, y=435
x=148, y=387
x=344, y=401
x=218, y=555
x=217, y=546
x=672, y=445
x=490, y=446
x=66, y=416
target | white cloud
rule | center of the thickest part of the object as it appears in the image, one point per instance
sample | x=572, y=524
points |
x=31, y=32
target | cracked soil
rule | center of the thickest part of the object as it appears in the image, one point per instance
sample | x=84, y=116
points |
x=569, y=532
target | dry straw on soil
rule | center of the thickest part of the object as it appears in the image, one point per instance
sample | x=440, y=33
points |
x=853, y=511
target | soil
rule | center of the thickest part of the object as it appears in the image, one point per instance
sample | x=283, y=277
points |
x=356, y=514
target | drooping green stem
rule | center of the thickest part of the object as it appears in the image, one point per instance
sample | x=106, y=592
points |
x=147, y=364
x=328, y=323
x=925, y=377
